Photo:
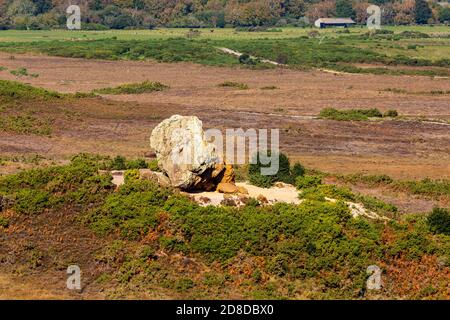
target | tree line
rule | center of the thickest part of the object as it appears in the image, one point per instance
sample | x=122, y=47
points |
x=129, y=14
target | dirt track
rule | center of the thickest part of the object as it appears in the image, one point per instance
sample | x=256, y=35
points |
x=121, y=124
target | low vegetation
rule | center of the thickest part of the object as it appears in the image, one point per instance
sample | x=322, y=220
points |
x=315, y=249
x=133, y=88
x=355, y=114
x=285, y=173
x=339, y=51
x=425, y=187
x=236, y=85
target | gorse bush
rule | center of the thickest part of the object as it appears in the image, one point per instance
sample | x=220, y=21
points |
x=284, y=174
x=315, y=240
x=391, y=113
x=304, y=182
x=133, y=210
x=17, y=90
x=351, y=114
x=133, y=88
x=231, y=84
x=439, y=221
x=78, y=183
x=121, y=163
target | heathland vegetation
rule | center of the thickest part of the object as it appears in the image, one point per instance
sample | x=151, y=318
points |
x=396, y=52
x=315, y=249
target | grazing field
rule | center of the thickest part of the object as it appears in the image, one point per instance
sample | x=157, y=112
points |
x=367, y=115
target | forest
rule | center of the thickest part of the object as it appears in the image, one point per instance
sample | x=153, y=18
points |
x=149, y=14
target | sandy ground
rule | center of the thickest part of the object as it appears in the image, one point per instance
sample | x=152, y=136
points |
x=287, y=194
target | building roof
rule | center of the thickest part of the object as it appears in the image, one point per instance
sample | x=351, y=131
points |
x=335, y=20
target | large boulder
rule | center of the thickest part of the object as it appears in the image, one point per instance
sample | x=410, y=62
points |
x=185, y=156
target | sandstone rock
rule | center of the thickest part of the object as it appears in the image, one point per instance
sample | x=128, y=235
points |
x=228, y=174
x=155, y=176
x=184, y=155
x=262, y=199
x=150, y=154
x=242, y=190
x=226, y=187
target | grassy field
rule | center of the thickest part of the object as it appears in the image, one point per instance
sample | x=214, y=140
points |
x=217, y=34
x=425, y=48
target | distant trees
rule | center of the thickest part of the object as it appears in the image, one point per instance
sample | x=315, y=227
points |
x=344, y=9
x=39, y=14
x=422, y=12
x=444, y=15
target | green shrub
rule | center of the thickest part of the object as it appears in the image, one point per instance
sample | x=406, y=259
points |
x=29, y=201
x=391, y=113
x=426, y=187
x=133, y=88
x=350, y=114
x=133, y=210
x=284, y=174
x=297, y=170
x=231, y=84
x=17, y=90
x=439, y=221
x=307, y=182
x=153, y=165
x=76, y=183
x=4, y=222
x=246, y=59
x=136, y=164
x=26, y=125
x=375, y=204
x=131, y=174
x=184, y=284
x=323, y=191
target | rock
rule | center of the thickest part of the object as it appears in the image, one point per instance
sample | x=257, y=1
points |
x=280, y=184
x=150, y=155
x=155, y=176
x=184, y=155
x=242, y=190
x=226, y=187
x=262, y=199
x=228, y=174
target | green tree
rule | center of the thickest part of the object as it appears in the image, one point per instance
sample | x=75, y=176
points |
x=444, y=14
x=21, y=8
x=344, y=9
x=422, y=12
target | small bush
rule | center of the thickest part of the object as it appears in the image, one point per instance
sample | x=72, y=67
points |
x=351, y=114
x=307, y=182
x=284, y=174
x=153, y=165
x=323, y=191
x=4, y=222
x=247, y=59
x=121, y=163
x=134, y=88
x=391, y=113
x=231, y=84
x=439, y=221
